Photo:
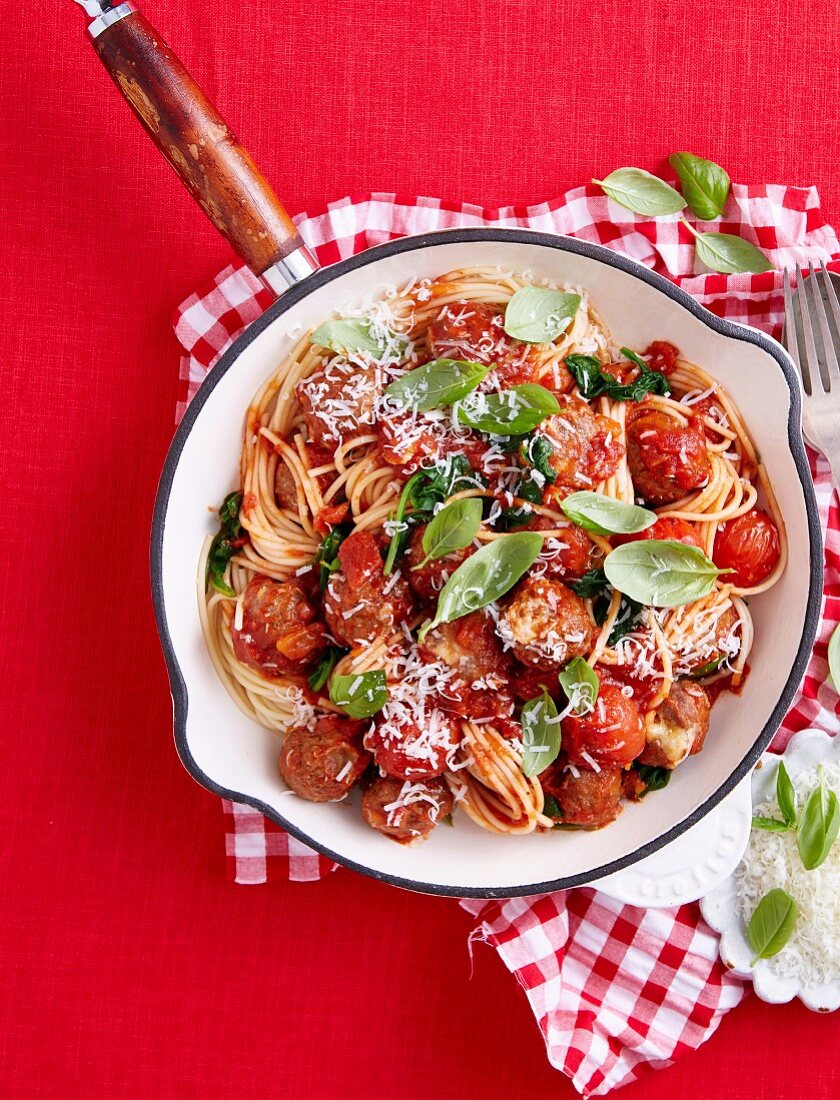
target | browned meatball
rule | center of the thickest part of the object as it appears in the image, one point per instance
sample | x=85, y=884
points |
x=678, y=727
x=586, y=447
x=587, y=798
x=321, y=765
x=285, y=487
x=361, y=603
x=406, y=811
x=568, y=554
x=471, y=646
x=339, y=401
x=428, y=579
x=475, y=331
x=666, y=460
x=713, y=638
x=546, y=624
x=280, y=632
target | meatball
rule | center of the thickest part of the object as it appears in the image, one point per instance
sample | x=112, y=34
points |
x=427, y=580
x=279, y=632
x=361, y=603
x=546, y=624
x=406, y=812
x=413, y=742
x=471, y=646
x=585, y=797
x=587, y=448
x=714, y=639
x=613, y=733
x=321, y=765
x=568, y=554
x=666, y=460
x=339, y=401
x=475, y=331
x=678, y=727
x=285, y=486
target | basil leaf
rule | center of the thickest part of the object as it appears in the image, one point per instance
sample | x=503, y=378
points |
x=350, y=337
x=785, y=795
x=771, y=925
x=834, y=658
x=729, y=254
x=540, y=734
x=655, y=779
x=660, y=572
x=327, y=556
x=485, y=576
x=593, y=381
x=639, y=191
x=581, y=685
x=705, y=184
x=436, y=384
x=769, y=824
x=605, y=516
x=360, y=695
x=511, y=412
x=537, y=315
x=323, y=670
x=453, y=528
x=226, y=542
x=590, y=584
x=818, y=826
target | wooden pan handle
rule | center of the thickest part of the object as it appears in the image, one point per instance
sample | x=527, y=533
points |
x=198, y=143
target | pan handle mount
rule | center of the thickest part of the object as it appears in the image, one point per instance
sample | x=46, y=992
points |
x=199, y=145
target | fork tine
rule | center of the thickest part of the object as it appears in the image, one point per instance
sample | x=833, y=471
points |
x=829, y=359
x=792, y=337
x=834, y=305
x=811, y=357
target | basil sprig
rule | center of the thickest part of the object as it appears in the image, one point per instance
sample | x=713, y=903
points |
x=593, y=381
x=704, y=184
x=818, y=827
x=485, y=576
x=510, y=412
x=452, y=528
x=437, y=384
x=605, y=516
x=654, y=779
x=661, y=572
x=226, y=542
x=351, y=336
x=727, y=253
x=581, y=685
x=537, y=315
x=639, y=191
x=771, y=924
x=540, y=734
x=360, y=695
x=323, y=670
x=327, y=555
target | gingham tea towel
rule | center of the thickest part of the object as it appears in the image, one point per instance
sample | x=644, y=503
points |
x=616, y=991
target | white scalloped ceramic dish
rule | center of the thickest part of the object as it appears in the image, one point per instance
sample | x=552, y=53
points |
x=720, y=908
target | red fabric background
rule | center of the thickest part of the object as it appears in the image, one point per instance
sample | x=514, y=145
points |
x=130, y=966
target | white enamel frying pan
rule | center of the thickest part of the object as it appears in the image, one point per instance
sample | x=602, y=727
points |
x=232, y=756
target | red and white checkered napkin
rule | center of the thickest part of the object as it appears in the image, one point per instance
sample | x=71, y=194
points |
x=616, y=990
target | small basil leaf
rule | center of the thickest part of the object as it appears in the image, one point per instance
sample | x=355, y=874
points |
x=486, y=576
x=834, y=658
x=323, y=670
x=350, y=337
x=540, y=734
x=729, y=254
x=360, y=695
x=660, y=572
x=453, y=528
x=511, y=412
x=769, y=824
x=437, y=384
x=771, y=925
x=605, y=516
x=639, y=191
x=655, y=779
x=581, y=685
x=705, y=184
x=818, y=826
x=437, y=484
x=537, y=315
x=785, y=794
x=590, y=584
x=225, y=543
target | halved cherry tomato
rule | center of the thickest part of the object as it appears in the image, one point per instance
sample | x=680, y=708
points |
x=750, y=546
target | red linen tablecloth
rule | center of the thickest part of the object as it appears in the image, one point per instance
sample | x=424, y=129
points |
x=129, y=966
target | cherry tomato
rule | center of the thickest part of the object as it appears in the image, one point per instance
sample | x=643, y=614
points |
x=750, y=546
x=670, y=530
x=612, y=733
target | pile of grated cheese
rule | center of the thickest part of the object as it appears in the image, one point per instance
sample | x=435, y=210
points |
x=812, y=954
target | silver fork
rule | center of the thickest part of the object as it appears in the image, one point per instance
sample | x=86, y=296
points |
x=812, y=343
